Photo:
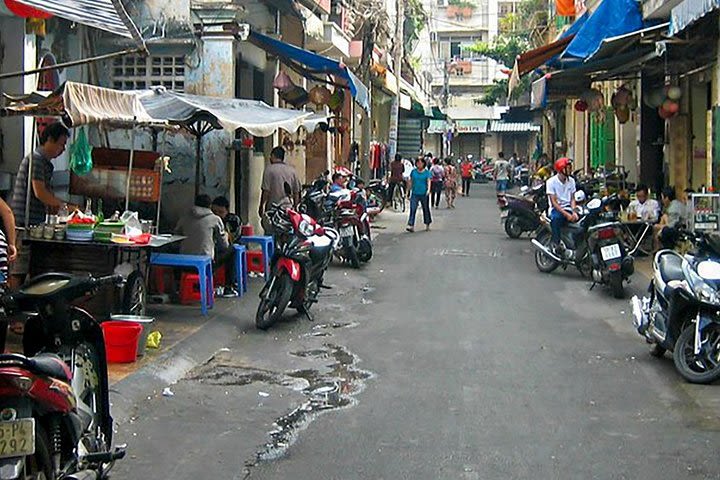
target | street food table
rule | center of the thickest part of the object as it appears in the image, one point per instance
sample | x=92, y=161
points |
x=99, y=258
x=639, y=233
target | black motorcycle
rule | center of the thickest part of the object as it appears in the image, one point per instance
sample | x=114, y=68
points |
x=312, y=200
x=681, y=313
x=54, y=404
x=582, y=245
x=522, y=213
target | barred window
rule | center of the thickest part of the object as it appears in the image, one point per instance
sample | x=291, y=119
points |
x=138, y=73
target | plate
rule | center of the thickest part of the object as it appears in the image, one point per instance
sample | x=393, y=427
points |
x=610, y=252
x=17, y=438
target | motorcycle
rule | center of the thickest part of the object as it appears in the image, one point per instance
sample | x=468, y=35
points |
x=305, y=250
x=313, y=198
x=592, y=245
x=54, y=404
x=353, y=224
x=378, y=196
x=681, y=313
x=522, y=213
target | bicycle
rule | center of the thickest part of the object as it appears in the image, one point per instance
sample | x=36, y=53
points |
x=398, y=199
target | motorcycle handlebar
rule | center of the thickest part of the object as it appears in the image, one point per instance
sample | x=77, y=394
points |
x=108, y=280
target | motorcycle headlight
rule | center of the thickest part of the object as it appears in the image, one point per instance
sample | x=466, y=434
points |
x=703, y=291
x=305, y=229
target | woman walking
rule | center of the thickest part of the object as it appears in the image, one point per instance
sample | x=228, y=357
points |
x=436, y=182
x=450, y=183
x=419, y=190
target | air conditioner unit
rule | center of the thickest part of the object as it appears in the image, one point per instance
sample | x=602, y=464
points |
x=442, y=3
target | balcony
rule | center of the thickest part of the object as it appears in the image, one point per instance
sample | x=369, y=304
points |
x=331, y=41
x=658, y=9
x=460, y=67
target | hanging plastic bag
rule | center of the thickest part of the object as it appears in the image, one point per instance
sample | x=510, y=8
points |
x=81, y=154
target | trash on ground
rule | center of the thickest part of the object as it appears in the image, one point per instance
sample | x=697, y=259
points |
x=153, y=340
x=167, y=392
x=264, y=394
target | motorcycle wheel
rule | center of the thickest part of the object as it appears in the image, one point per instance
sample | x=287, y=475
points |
x=544, y=263
x=365, y=253
x=273, y=304
x=38, y=466
x=350, y=254
x=513, y=228
x=616, y=285
x=697, y=368
x=134, y=295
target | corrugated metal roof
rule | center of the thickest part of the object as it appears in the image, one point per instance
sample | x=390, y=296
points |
x=513, y=127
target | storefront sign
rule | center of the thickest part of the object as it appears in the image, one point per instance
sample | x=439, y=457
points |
x=471, y=126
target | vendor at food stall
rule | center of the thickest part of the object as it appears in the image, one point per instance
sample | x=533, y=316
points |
x=52, y=144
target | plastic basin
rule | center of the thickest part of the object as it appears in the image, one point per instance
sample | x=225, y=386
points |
x=121, y=341
x=145, y=323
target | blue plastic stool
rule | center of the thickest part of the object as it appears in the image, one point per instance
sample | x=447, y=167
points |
x=267, y=244
x=202, y=263
x=241, y=268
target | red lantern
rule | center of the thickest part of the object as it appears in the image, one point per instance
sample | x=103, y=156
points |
x=581, y=106
x=24, y=11
x=664, y=114
x=248, y=142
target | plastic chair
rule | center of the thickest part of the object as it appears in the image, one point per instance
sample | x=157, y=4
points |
x=267, y=245
x=202, y=263
x=241, y=268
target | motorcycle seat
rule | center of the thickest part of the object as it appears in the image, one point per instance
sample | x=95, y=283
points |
x=670, y=267
x=44, y=364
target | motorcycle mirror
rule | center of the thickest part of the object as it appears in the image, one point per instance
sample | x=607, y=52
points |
x=594, y=204
x=709, y=270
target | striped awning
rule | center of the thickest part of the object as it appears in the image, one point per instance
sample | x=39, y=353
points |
x=107, y=15
x=513, y=127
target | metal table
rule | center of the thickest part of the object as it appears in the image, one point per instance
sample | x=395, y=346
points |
x=99, y=259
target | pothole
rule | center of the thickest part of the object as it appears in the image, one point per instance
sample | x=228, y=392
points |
x=331, y=388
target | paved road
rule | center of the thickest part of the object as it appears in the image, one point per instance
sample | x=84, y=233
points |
x=451, y=357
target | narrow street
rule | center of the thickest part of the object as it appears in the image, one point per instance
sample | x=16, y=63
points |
x=448, y=356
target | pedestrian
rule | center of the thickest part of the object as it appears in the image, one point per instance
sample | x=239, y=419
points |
x=437, y=173
x=397, y=168
x=275, y=176
x=450, y=183
x=466, y=171
x=501, y=174
x=407, y=170
x=419, y=190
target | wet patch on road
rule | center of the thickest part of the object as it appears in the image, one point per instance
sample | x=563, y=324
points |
x=450, y=252
x=326, y=389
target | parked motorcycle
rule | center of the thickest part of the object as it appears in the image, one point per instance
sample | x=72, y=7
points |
x=522, y=213
x=591, y=245
x=312, y=201
x=378, y=196
x=352, y=222
x=681, y=313
x=305, y=250
x=55, y=418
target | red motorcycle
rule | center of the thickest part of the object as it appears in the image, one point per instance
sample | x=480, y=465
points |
x=304, y=252
x=55, y=418
x=353, y=224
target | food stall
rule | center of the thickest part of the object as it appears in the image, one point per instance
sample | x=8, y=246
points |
x=140, y=173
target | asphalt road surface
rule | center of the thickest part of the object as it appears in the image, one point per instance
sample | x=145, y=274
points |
x=449, y=356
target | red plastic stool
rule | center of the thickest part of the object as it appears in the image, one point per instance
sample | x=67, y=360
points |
x=159, y=277
x=255, y=261
x=247, y=231
x=190, y=288
x=219, y=276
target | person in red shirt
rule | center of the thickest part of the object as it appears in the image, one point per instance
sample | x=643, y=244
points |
x=466, y=172
x=397, y=167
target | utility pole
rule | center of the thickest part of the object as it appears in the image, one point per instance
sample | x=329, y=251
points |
x=399, y=47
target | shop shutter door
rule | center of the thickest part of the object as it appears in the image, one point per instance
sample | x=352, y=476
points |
x=410, y=137
x=469, y=144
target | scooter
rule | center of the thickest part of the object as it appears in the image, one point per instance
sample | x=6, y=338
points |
x=522, y=213
x=353, y=224
x=582, y=245
x=55, y=418
x=681, y=313
x=305, y=250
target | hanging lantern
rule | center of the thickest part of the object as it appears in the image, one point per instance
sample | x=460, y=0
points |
x=336, y=100
x=319, y=95
x=581, y=106
x=594, y=99
x=283, y=82
x=671, y=107
x=674, y=93
x=622, y=113
x=24, y=11
x=664, y=113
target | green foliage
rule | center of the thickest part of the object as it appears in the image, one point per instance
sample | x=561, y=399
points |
x=463, y=3
x=497, y=92
x=415, y=20
x=503, y=50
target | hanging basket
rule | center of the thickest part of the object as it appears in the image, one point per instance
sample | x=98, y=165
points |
x=283, y=82
x=319, y=95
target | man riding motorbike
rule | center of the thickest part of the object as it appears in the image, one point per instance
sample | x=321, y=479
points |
x=561, y=196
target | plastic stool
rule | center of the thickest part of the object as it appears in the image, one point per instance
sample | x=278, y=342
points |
x=190, y=288
x=159, y=278
x=219, y=276
x=202, y=263
x=241, y=268
x=247, y=231
x=255, y=261
x=267, y=245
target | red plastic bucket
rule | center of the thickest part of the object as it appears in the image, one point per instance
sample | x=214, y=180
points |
x=121, y=341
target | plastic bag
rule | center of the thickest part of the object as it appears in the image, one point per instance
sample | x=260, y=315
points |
x=81, y=154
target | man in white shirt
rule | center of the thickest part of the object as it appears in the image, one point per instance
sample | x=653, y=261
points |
x=561, y=196
x=646, y=209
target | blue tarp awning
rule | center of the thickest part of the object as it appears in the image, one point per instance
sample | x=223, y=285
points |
x=689, y=12
x=313, y=64
x=610, y=19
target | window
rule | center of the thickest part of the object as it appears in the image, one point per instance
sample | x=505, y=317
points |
x=138, y=73
x=455, y=50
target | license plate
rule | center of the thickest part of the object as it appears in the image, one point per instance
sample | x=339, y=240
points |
x=610, y=252
x=17, y=438
x=346, y=232
x=504, y=214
